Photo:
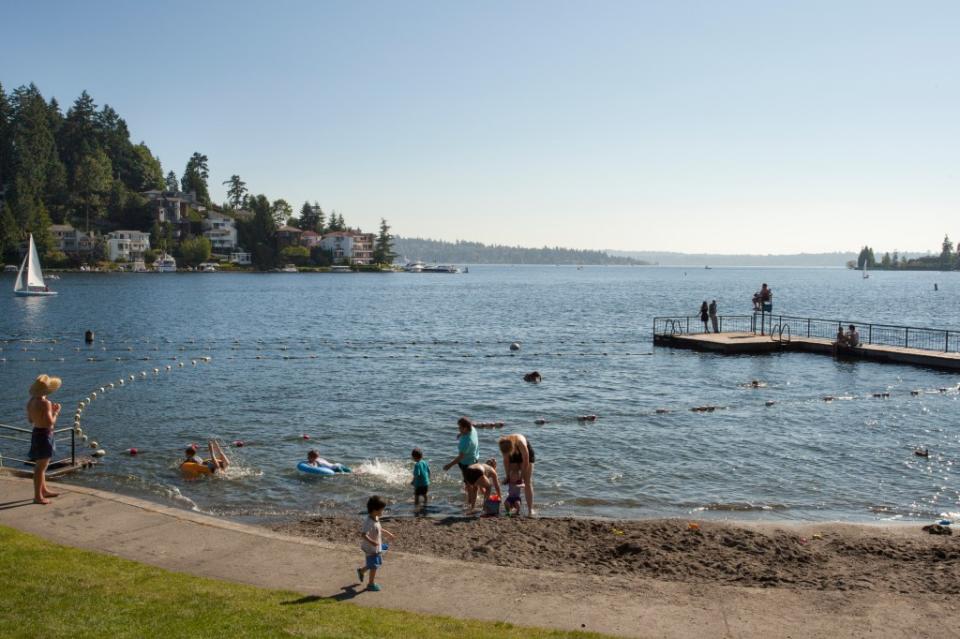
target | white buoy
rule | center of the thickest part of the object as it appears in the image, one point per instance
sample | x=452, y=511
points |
x=99, y=453
x=120, y=382
x=94, y=444
x=515, y=346
x=88, y=400
x=111, y=385
x=156, y=371
x=143, y=373
x=83, y=438
x=180, y=364
x=93, y=395
x=194, y=362
x=169, y=367
x=78, y=431
x=103, y=389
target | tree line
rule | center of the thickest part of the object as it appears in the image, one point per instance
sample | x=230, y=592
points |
x=461, y=252
x=82, y=168
x=947, y=260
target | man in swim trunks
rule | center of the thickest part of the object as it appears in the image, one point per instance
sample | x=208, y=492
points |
x=518, y=453
x=468, y=447
x=42, y=414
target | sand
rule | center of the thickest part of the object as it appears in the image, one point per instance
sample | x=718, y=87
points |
x=827, y=557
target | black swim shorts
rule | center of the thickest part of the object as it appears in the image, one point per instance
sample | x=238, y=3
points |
x=42, y=445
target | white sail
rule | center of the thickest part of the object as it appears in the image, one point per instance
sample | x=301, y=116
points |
x=34, y=274
x=18, y=286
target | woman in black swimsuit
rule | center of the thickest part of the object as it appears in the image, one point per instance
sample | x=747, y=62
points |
x=518, y=452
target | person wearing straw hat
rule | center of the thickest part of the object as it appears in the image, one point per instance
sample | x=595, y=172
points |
x=42, y=415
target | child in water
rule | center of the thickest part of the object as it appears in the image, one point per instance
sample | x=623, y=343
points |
x=371, y=542
x=421, y=478
x=514, y=486
x=218, y=459
x=315, y=460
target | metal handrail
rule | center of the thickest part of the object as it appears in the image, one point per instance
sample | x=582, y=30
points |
x=17, y=430
x=920, y=338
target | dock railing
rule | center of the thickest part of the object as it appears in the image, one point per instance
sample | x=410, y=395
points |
x=927, y=339
x=21, y=438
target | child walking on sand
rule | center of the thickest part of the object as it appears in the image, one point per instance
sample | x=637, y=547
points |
x=421, y=478
x=372, y=542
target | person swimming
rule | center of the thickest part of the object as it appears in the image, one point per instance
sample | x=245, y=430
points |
x=218, y=460
x=533, y=377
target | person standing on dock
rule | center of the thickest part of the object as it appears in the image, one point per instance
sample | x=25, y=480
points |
x=713, y=315
x=705, y=316
x=42, y=415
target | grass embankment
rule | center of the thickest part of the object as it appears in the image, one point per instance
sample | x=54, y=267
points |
x=47, y=590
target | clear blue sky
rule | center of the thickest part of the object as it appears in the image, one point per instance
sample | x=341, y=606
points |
x=692, y=126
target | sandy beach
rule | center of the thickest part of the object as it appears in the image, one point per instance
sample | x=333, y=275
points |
x=825, y=557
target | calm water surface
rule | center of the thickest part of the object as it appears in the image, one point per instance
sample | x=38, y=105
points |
x=371, y=365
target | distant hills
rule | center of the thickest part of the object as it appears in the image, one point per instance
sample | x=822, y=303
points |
x=713, y=259
x=460, y=252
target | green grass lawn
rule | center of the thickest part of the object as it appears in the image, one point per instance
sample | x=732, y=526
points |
x=47, y=590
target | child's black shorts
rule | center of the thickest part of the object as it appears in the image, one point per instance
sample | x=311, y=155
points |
x=420, y=491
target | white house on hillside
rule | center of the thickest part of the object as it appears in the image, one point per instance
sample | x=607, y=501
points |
x=127, y=245
x=221, y=230
x=349, y=247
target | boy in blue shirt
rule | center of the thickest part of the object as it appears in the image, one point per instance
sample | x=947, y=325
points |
x=421, y=478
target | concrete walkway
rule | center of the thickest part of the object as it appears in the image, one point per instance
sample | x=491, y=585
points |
x=196, y=544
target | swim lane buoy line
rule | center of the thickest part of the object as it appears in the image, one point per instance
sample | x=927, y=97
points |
x=338, y=469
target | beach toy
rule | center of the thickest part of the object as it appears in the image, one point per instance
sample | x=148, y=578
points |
x=336, y=469
x=193, y=470
x=384, y=547
x=491, y=506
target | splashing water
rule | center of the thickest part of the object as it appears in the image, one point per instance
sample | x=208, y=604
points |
x=389, y=472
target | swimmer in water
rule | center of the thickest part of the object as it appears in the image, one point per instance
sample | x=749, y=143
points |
x=218, y=460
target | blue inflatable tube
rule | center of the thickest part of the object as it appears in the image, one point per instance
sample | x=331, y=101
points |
x=304, y=467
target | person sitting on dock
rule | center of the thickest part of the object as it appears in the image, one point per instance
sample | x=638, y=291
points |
x=852, y=337
x=841, y=338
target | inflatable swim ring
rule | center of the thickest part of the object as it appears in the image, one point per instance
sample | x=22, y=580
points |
x=193, y=470
x=337, y=469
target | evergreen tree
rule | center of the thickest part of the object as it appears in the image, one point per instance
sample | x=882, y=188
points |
x=195, y=177
x=146, y=172
x=308, y=217
x=281, y=211
x=896, y=258
x=886, y=262
x=171, y=182
x=6, y=142
x=946, y=253
x=383, y=253
x=321, y=218
x=93, y=180
x=237, y=191
x=79, y=135
x=260, y=233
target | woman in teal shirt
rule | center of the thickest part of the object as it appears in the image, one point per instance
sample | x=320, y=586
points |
x=469, y=454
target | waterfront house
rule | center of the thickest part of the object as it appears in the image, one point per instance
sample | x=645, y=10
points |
x=349, y=247
x=310, y=239
x=221, y=230
x=288, y=236
x=127, y=245
x=71, y=241
x=172, y=207
x=241, y=258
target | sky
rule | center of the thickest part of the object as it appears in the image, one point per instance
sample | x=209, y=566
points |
x=721, y=127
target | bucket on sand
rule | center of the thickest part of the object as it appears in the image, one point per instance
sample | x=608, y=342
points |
x=491, y=506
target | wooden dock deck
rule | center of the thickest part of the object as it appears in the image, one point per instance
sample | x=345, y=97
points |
x=740, y=343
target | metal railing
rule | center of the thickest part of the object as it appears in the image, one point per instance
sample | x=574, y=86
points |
x=22, y=438
x=682, y=325
x=927, y=339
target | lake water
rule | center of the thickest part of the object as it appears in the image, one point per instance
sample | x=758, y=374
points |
x=370, y=365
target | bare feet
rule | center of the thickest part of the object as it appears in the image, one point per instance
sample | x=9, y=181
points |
x=42, y=501
x=49, y=493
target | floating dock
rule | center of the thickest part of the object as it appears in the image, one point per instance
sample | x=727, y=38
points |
x=753, y=337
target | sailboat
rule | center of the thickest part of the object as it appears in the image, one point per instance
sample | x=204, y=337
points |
x=34, y=281
x=865, y=274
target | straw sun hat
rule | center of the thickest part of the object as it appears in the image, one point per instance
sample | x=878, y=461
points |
x=44, y=385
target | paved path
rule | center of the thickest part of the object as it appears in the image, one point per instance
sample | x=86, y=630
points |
x=191, y=543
